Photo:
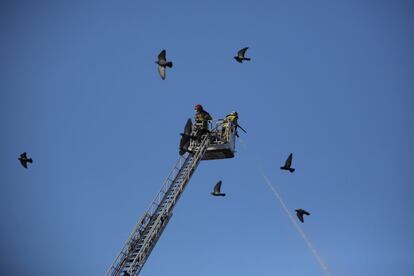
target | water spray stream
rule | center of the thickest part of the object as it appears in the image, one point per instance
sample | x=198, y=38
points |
x=277, y=195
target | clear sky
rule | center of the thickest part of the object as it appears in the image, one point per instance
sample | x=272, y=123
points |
x=330, y=81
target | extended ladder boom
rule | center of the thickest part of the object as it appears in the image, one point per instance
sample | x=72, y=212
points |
x=149, y=228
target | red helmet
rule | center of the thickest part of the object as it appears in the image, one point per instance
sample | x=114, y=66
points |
x=198, y=107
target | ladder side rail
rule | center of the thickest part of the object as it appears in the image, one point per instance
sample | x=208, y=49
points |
x=114, y=268
x=171, y=187
x=152, y=223
x=163, y=225
x=154, y=234
x=147, y=244
x=164, y=188
x=141, y=261
x=197, y=158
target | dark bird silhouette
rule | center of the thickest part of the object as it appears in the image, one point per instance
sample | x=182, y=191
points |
x=162, y=63
x=186, y=137
x=300, y=213
x=288, y=164
x=217, y=188
x=24, y=160
x=240, y=55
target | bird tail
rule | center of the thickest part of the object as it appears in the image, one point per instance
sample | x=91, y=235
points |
x=248, y=59
x=169, y=64
x=30, y=160
x=291, y=170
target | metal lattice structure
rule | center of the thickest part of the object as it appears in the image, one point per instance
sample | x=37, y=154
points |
x=149, y=228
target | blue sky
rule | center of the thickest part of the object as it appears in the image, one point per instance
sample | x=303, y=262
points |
x=330, y=81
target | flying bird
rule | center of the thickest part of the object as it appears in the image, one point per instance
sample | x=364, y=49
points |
x=288, y=164
x=300, y=213
x=240, y=55
x=24, y=160
x=217, y=188
x=186, y=137
x=162, y=63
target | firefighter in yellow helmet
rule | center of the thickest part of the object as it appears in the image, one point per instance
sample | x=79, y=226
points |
x=230, y=121
x=232, y=117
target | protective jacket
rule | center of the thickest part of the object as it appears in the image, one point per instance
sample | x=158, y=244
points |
x=202, y=116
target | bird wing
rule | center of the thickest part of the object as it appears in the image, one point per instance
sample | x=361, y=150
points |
x=161, y=70
x=288, y=162
x=217, y=187
x=23, y=154
x=24, y=163
x=188, y=127
x=242, y=52
x=299, y=215
x=306, y=213
x=162, y=55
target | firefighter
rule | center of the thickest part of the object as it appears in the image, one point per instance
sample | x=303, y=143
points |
x=232, y=117
x=202, y=118
x=230, y=120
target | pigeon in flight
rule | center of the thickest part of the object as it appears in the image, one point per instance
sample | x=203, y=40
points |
x=217, y=190
x=162, y=63
x=240, y=55
x=300, y=213
x=288, y=164
x=24, y=160
x=186, y=136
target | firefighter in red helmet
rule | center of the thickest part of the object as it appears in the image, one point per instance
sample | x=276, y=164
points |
x=202, y=118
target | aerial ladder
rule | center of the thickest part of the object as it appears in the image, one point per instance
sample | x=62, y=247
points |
x=217, y=143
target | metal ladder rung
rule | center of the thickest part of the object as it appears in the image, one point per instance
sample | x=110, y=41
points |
x=141, y=243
